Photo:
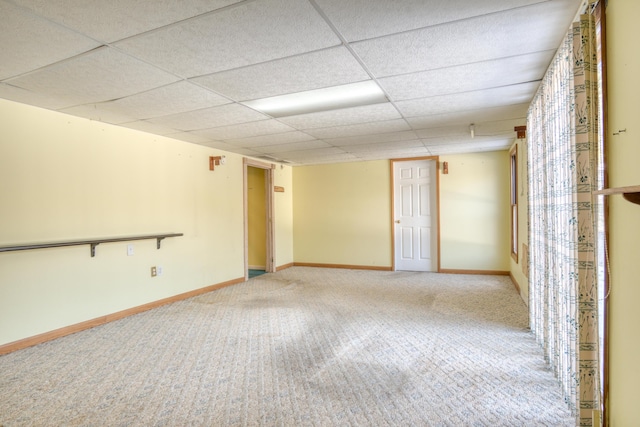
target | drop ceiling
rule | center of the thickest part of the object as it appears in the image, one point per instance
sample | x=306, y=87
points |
x=185, y=68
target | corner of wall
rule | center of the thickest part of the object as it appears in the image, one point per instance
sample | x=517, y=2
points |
x=519, y=269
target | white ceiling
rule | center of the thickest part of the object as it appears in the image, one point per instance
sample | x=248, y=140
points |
x=180, y=68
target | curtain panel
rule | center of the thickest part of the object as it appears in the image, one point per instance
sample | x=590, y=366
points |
x=562, y=125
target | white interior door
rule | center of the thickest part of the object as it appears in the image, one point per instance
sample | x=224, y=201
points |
x=415, y=213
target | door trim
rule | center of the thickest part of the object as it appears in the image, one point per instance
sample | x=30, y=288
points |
x=269, y=208
x=392, y=163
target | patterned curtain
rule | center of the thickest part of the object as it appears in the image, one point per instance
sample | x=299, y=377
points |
x=562, y=127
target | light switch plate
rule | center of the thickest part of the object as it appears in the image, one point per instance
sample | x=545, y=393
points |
x=129, y=249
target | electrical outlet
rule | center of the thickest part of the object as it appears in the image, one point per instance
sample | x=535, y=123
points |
x=154, y=271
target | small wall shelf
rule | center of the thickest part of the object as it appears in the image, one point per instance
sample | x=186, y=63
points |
x=91, y=242
x=631, y=193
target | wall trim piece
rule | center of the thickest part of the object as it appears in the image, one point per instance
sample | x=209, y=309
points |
x=485, y=272
x=88, y=324
x=284, y=267
x=515, y=283
x=350, y=267
x=517, y=286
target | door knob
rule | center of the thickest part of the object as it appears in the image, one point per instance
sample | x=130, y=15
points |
x=397, y=221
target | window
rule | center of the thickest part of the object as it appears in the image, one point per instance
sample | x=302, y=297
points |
x=513, y=156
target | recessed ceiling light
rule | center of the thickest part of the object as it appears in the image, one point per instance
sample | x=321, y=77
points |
x=312, y=101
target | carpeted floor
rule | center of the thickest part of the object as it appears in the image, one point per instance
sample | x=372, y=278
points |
x=304, y=346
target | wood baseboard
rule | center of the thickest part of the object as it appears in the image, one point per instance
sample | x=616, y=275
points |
x=284, y=267
x=485, y=272
x=515, y=283
x=519, y=289
x=350, y=267
x=72, y=329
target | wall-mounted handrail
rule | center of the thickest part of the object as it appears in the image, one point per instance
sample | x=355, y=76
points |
x=631, y=193
x=92, y=242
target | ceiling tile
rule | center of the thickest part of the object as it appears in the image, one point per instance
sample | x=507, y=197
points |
x=535, y=28
x=495, y=97
x=360, y=129
x=370, y=139
x=171, y=99
x=253, y=32
x=272, y=139
x=24, y=96
x=99, y=75
x=345, y=116
x=468, y=77
x=324, y=68
x=247, y=152
x=391, y=154
x=299, y=154
x=230, y=148
x=295, y=146
x=166, y=100
x=364, y=19
x=245, y=130
x=113, y=20
x=99, y=112
x=223, y=115
x=466, y=117
x=383, y=146
x=29, y=42
x=189, y=137
x=499, y=129
x=146, y=126
x=271, y=158
x=219, y=145
x=324, y=159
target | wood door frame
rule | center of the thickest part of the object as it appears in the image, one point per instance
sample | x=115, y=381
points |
x=269, y=209
x=392, y=163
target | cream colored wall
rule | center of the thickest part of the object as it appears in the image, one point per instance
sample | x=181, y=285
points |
x=256, y=221
x=624, y=217
x=342, y=214
x=70, y=178
x=517, y=269
x=474, y=212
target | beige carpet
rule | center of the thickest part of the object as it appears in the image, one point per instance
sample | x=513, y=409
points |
x=304, y=346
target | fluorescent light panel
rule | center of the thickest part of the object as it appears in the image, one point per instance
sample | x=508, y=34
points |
x=325, y=99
